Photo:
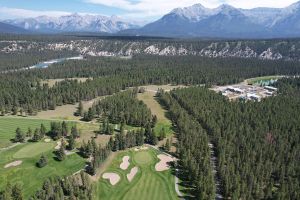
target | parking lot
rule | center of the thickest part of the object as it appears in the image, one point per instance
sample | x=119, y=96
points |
x=245, y=91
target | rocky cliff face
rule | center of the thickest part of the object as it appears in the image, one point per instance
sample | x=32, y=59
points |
x=261, y=49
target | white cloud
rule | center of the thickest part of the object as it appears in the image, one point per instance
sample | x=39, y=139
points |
x=22, y=13
x=260, y=3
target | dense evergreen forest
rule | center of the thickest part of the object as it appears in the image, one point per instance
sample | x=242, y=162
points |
x=124, y=108
x=192, y=149
x=74, y=187
x=24, y=92
x=257, y=144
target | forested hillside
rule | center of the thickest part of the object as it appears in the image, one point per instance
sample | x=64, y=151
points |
x=277, y=49
x=256, y=143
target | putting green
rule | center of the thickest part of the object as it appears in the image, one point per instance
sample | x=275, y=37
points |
x=33, y=149
x=147, y=184
x=143, y=157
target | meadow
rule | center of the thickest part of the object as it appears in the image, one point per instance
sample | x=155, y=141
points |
x=148, y=98
x=147, y=184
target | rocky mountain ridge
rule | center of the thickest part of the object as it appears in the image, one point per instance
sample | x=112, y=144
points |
x=262, y=49
x=225, y=21
x=73, y=23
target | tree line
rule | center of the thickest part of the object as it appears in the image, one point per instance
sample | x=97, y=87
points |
x=23, y=93
x=192, y=150
x=122, y=107
x=257, y=143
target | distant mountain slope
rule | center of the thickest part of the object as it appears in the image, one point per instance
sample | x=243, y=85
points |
x=73, y=23
x=225, y=22
x=277, y=49
x=6, y=28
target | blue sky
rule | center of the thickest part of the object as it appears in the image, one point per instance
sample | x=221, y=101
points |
x=128, y=9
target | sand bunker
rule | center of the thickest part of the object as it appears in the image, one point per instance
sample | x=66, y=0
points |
x=113, y=178
x=47, y=140
x=132, y=173
x=13, y=164
x=141, y=148
x=163, y=165
x=125, y=164
x=58, y=145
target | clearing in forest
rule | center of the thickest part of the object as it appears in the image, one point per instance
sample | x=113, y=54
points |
x=262, y=79
x=149, y=99
x=66, y=112
x=139, y=181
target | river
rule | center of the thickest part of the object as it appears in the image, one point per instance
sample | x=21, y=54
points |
x=44, y=64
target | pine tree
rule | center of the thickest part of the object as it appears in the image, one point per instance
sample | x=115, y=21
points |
x=37, y=135
x=29, y=133
x=64, y=129
x=42, y=162
x=20, y=137
x=153, y=139
x=17, y=192
x=74, y=132
x=72, y=143
x=60, y=153
x=43, y=130
x=168, y=145
x=80, y=110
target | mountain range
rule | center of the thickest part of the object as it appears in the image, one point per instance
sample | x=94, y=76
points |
x=7, y=28
x=72, y=23
x=224, y=21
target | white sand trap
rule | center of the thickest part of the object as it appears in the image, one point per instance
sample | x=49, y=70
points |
x=132, y=173
x=163, y=165
x=125, y=164
x=58, y=145
x=47, y=140
x=113, y=178
x=13, y=164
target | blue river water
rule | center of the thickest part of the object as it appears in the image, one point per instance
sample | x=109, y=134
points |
x=46, y=64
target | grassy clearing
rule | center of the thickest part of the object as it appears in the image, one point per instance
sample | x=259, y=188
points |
x=8, y=126
x=27, y=174
x=263, y=78
x=162, y=122
x=66, y=112
x=147, y=183
x=33, y=150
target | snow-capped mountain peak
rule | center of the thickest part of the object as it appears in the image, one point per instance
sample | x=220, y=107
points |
x=74, y=22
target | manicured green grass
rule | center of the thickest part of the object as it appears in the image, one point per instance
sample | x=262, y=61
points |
x=27, y=174
x=147, y=183
x=143, y=158
x=33, y=149
x=263, y=78
x=8, y=126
